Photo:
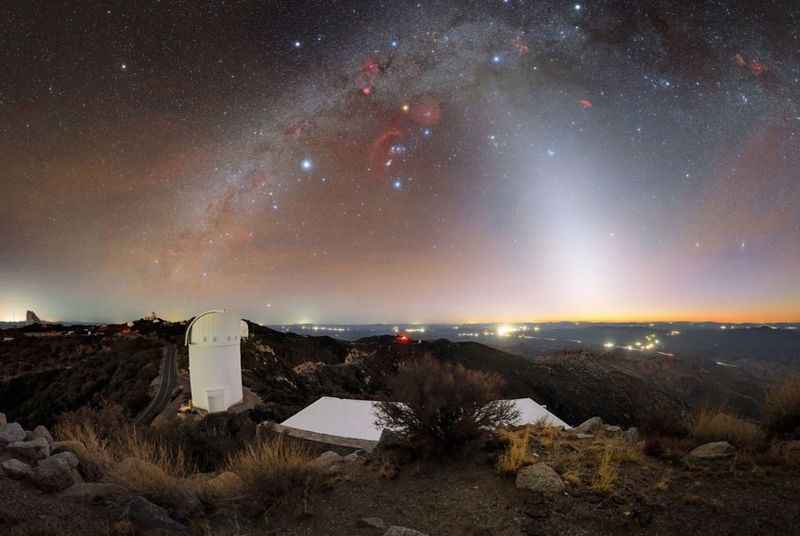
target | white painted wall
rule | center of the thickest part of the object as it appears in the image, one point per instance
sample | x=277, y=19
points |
x=215, y=359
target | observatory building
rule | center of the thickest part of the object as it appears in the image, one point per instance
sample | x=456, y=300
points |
x=215, y=359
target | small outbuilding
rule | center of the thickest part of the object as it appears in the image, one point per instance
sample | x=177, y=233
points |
x=352, y=423
x=215, y=359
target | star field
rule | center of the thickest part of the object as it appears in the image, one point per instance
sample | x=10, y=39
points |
x=401, y=161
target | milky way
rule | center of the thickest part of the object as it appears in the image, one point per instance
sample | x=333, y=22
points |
x=401, y=161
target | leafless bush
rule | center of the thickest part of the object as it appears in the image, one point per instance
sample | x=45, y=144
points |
x=439, y=406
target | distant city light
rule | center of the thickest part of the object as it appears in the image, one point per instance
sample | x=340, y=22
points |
x=608, y=345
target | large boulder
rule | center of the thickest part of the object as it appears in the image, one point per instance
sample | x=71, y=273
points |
x=54, y=474
x=394, y=530
x=718, y=450
x=90, y=470
x=148, y=518
x=589, y=426
x=11, y=433
x=68, y=458
x=41, y=431
x=16, y=469
x=33, y=450
x=541, y=478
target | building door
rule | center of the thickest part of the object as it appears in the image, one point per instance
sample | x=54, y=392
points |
x=216, y=400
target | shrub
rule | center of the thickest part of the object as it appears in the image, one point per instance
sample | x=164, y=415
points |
x=275, y=468
x=782, y=408
x=515, y=454
x=440, y=406
x=713, y=425
x=664, y=422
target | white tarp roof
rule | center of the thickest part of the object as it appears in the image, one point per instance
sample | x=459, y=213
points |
x=355, y=419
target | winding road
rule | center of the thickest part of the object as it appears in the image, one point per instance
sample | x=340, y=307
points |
x=169, y=379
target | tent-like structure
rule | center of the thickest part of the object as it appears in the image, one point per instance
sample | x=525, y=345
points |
x=351, y=423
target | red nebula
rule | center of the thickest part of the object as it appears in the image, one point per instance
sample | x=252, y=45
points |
x=521, y=46
x=381, y=145
x=757, y=68
x=370, y=70
x=426, y=112
x=585, y=103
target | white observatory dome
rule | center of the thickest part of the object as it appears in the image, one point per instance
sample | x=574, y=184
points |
x=215, y=359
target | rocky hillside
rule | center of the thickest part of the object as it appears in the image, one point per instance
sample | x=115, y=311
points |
x=290, y=371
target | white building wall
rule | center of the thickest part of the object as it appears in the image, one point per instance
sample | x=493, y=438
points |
x=212, y=368
x=215, y=360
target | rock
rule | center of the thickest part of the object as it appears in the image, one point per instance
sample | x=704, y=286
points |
x=33, y=450
x=631, y=435
x=394, y=530
x=589, y=426
x=327, y=459
x=53, y=474
x=584, y=436
x=92, y=492
x=3, y=420
x=11, y=433
x=717, y=450
x=374, y=522
x=16, y=469
x=90, y=470
x=148, y=518
x=611, y=429
x=357, y=456
x=41, y=431
x=76, y=447
x=539, y=477
x=68, y=457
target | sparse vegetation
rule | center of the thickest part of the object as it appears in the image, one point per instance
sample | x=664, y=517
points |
x=516, y=453
x=441, y=406
x=607, y=473
x=714, y=425
x=275, y=468
x=782, y=409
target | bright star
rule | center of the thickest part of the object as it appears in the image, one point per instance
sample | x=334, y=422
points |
x=577, y=7
x=496, y=59
x=297, y=44
x=397, y=184
x=306, y=164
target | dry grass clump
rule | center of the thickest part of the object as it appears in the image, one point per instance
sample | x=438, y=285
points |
x=782, y=408
x=714, y=425
x=516, y=453
x=275, y=468
x=607, y=472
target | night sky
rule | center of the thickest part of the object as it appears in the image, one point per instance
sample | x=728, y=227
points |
x=401, y=161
